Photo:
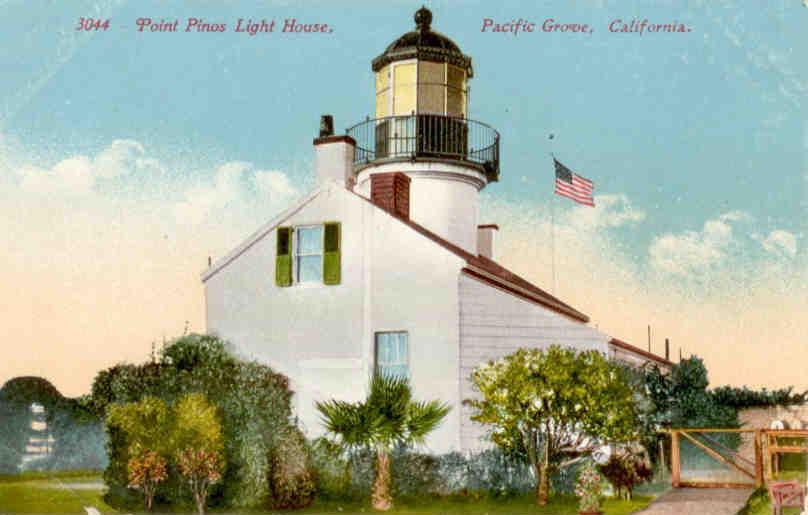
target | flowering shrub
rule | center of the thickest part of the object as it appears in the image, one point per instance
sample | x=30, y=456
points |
x=627, y=467
x=146, y=471
x=587, y=488
x=201, y=469
x=292, y=478
x=551, y=407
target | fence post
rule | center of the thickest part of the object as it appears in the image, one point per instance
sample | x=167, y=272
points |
x=675, y=460
x=758, y=459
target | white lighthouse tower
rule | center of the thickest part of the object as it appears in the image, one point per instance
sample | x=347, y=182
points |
x=422, y=130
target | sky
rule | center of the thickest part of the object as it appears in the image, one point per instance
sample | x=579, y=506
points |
x=127, y=158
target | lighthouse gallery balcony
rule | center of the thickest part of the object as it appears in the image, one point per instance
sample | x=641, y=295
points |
x=427, y=137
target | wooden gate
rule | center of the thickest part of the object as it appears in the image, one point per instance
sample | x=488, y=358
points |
x=732, y=469
x=751, y=460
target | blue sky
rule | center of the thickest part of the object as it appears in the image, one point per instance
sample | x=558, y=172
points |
x=697, y=139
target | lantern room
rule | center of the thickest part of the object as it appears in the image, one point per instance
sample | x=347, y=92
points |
x=422, y=72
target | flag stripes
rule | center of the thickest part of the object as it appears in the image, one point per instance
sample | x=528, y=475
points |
x=573, y=186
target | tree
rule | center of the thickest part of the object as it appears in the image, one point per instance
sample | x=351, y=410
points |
x=190, y=432
x=146, y=471
x=550, y=407
x=197, y=434
x=387, y=418
x=201, y=469
x=146, y=425
x=145, y=428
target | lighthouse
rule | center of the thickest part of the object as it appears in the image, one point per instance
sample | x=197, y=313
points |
x=384, y=267
x=421, y=130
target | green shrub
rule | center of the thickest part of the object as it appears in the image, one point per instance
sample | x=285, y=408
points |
x=488, y=473
x=292, y=478
x=415, y=473
x=254, y=402
x=332, y=468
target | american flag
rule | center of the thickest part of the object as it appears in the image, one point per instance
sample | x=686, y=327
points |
x=570, y=185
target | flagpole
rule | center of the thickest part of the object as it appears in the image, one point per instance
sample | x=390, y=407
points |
x=552, y=223
x=552, y=240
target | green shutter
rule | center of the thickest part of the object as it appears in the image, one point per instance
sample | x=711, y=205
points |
x=331, y=253
x=283, y=257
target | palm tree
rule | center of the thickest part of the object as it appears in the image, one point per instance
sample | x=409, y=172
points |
x=387, y=418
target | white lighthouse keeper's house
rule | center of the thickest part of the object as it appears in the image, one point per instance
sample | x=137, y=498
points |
x=385, y=266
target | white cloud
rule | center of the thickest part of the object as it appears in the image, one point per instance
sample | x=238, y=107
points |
x=77, y=175
x=72, y=176
x=610, y=211
x=275, y=185
x=120, y=158
x=693, y=252
x=230, y=189
x=201, y=200
x=779, y=243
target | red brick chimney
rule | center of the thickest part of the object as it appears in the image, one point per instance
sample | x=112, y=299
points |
x=391, y=192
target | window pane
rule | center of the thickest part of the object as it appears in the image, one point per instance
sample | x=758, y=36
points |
x=391, y=354
x=431, y=73
x=455, y=102
x=403, y=89
x=382, y=103
x=385, y=356
x=431, y=87
x=382, y=78
x=431, y=98
x=310, y=240
x=309, y=268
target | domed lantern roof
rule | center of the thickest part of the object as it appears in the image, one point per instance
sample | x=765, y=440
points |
x=424, y=44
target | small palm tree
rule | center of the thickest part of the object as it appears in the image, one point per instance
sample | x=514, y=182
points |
x=387, y=418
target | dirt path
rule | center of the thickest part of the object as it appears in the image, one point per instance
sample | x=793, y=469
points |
x=699, y=501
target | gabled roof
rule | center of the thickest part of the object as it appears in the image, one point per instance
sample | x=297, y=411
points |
x=490, y=271
x=636, y=350
x=258, y=235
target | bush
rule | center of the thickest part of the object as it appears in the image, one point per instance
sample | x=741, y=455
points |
x=627, y=467
x=740, y=398
x=292, y=479
x=77, y=432
x=332, y=469
x=254, y=402
x=487, y=473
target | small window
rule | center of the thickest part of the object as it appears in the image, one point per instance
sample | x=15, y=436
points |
x=309, y=254
x=392, y=354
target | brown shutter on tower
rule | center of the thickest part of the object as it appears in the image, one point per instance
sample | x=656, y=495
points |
x=391, y=192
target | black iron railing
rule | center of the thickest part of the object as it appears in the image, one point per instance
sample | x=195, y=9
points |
x=427, y=136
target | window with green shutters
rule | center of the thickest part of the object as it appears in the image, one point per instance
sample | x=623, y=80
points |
x=331, y=253
x=308, y=254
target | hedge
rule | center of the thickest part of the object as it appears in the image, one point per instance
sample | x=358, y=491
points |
x=254, y=402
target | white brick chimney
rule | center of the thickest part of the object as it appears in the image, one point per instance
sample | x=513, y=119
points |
x=333, y=155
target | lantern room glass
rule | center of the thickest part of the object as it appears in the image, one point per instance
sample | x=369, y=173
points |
x=422, y=87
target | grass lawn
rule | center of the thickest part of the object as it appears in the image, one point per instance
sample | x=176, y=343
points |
x=70, y=492
x=522, y=505
x=60, y=493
